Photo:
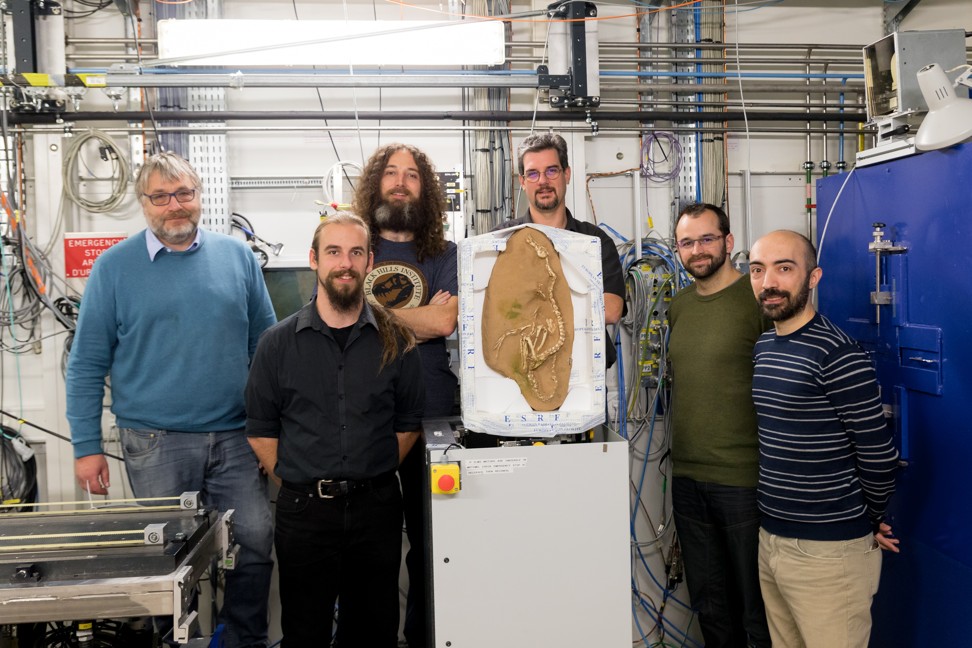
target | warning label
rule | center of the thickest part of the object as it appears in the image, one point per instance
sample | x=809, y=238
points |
x=82, y=248
x=493, y=466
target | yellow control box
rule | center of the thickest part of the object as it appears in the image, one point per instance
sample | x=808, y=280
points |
x=444, y=478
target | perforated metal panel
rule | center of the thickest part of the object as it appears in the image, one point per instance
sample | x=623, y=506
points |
x=683, y=31
x=207, y=153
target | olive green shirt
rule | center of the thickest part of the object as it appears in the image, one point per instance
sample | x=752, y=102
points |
x=711, y=351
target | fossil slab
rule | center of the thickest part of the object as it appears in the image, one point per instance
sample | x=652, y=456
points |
x=528, y=319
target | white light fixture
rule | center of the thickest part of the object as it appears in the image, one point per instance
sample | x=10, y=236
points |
x=949, y=118
x=331, y=42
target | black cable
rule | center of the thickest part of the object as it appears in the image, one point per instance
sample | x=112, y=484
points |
x=50, y=432
x=246, y=222
x=320, y=100
x=95, y=8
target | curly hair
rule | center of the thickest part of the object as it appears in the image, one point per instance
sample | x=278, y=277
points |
x=430, y=237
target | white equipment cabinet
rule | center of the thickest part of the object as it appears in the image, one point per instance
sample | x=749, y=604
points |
x=533, y=550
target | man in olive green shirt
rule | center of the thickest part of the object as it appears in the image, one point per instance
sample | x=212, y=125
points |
x=714, y=325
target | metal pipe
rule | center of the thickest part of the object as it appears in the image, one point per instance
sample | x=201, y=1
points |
x=79, y=40
x=122, y=58
x=718, y=46
x=748, y=193
x=699, y=88
x=464, y=115
x=726, y=103
x=318, y=80
x=69, y=126
x=853, y=63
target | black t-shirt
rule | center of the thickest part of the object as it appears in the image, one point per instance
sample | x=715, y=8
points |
x=341, y=335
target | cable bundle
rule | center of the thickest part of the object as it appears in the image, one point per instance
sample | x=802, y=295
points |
x=18, y=476
x=120, y=167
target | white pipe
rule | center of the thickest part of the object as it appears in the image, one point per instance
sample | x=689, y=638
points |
x=748, y=205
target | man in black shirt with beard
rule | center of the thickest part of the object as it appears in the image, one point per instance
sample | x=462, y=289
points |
x=334, y=402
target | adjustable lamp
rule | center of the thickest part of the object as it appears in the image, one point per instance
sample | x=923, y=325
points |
x=949, y=118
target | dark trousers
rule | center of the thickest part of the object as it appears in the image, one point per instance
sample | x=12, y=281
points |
x=412, y=474
x=718, y=530
x=346, y=549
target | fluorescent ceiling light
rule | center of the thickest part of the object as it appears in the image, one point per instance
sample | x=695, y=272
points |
x=330, y=42
x=949, y=118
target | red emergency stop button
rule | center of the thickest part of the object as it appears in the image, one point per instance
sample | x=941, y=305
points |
x=447, y=483
x=444, y=478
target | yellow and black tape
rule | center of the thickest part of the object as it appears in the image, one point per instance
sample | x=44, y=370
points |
x=38, y=80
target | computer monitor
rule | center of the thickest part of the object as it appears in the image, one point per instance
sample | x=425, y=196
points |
x=289, y=288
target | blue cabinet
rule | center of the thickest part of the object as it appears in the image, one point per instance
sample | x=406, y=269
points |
x=921, y=343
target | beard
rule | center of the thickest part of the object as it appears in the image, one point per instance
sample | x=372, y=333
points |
x=789, y=307
x=398, y=216
x=547, y=202
x=344, y=298
x=175, y=235
x=706, y=271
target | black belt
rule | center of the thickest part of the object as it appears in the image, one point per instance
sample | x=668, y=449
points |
x=331, y=488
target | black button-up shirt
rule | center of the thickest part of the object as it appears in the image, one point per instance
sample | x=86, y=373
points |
x=335, y=414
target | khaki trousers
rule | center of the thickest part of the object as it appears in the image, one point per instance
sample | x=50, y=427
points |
x=818, y=594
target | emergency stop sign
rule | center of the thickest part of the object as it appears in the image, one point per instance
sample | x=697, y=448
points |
x=82, y=248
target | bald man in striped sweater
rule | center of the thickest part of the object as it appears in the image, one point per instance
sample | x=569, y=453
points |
x=827, y=460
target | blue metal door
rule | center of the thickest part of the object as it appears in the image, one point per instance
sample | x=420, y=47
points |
x=919, y=334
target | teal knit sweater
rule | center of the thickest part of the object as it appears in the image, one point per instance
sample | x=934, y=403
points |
x=175, y=334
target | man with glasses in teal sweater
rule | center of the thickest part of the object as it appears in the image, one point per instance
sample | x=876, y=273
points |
x=173, y=315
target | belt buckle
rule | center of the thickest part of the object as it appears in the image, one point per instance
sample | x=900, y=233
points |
x=320, y=489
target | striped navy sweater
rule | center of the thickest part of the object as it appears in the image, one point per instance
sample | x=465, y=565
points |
x=826, y=456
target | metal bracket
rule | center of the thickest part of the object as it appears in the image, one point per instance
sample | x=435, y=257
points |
x=28, y=573
x=185, y=621
x=154, y=534
x=190, y=500
x=878, y=246
x=593, y=122
x=574, y=86
x=551, y=81
x=228, y=549
x=893, y=17
x=47, y=8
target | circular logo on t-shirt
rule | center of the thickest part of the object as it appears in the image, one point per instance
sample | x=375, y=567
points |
x=396, y=285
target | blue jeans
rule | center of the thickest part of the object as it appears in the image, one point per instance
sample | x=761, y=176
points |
x=223, y=468
x=718, y=530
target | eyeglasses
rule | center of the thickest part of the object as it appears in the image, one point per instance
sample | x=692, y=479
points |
x=705, y=241
x=552, y=173
x=163, y=198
